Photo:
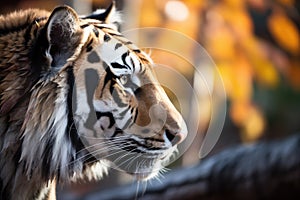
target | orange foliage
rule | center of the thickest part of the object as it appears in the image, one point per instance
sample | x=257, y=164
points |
x=285, y=32
x=294, y=74
x=150, y=11
x=226, y=30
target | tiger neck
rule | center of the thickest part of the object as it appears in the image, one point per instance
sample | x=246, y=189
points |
x=45, y=124
x=60, y=153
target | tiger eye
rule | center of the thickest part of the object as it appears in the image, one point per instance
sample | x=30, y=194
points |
x=123, y=79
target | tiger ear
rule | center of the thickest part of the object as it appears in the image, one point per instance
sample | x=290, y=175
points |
x=62, y=35
x=108, y=16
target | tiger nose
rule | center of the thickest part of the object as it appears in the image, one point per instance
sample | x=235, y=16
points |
x=175, y=137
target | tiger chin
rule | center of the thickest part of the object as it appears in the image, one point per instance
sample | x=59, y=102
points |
x=77, y=97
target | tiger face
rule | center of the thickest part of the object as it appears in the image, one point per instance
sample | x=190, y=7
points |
x=125, y=117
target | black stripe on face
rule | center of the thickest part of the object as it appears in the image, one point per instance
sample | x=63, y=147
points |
x=124, y=56
x=89, y=48
x=117, y=131
x=71, y=131
x=110, y=78
x=131, y=149
x=129, y=42
x=89, y=45
x=135, y=115
x=84, y=26
x=136, y=50
x=138, y=144
x=72, y=105
x=96, y=32
x=106, y=38
x=118, y=45
x=142, y=70
x=118, y=66
x=132, y=63
x=106, y=114
x=104, y=27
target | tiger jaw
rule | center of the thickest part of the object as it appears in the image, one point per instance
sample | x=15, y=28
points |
x=131, y=154
x=141, y=165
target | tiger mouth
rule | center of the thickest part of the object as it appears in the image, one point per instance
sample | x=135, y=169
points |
x=139, y=170
x=141, y=158
x=141, y=145
x=143, y=175
x=142, y=164
x=146, y=153
x=140, y=148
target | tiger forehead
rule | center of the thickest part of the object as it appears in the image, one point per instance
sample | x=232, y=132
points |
x=108, y=36
x=110, y=46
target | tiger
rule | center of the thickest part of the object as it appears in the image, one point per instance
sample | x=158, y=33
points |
x=76, y=98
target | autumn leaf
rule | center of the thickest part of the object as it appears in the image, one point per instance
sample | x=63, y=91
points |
x=294, y=74
x=220, y=43
x=254, y=125
x=285, y=32
x=249, y=118
x=264, y=69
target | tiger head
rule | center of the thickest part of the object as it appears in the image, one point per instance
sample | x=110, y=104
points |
x=120, y=111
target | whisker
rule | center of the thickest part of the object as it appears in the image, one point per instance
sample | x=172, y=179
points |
x=127, y=154
x=131, y=162
x=103, y=142
x=110, y=145
x=144, y=187
x=137, y=190
x=100, y=138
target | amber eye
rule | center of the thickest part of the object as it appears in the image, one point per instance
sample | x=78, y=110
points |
x=124, y=79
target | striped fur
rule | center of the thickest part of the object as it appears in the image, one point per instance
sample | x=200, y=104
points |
x=76, y=97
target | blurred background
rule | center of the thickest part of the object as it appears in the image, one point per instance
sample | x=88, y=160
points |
x=255, y=45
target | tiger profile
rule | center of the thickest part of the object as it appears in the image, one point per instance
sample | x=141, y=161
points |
x=77, y=97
